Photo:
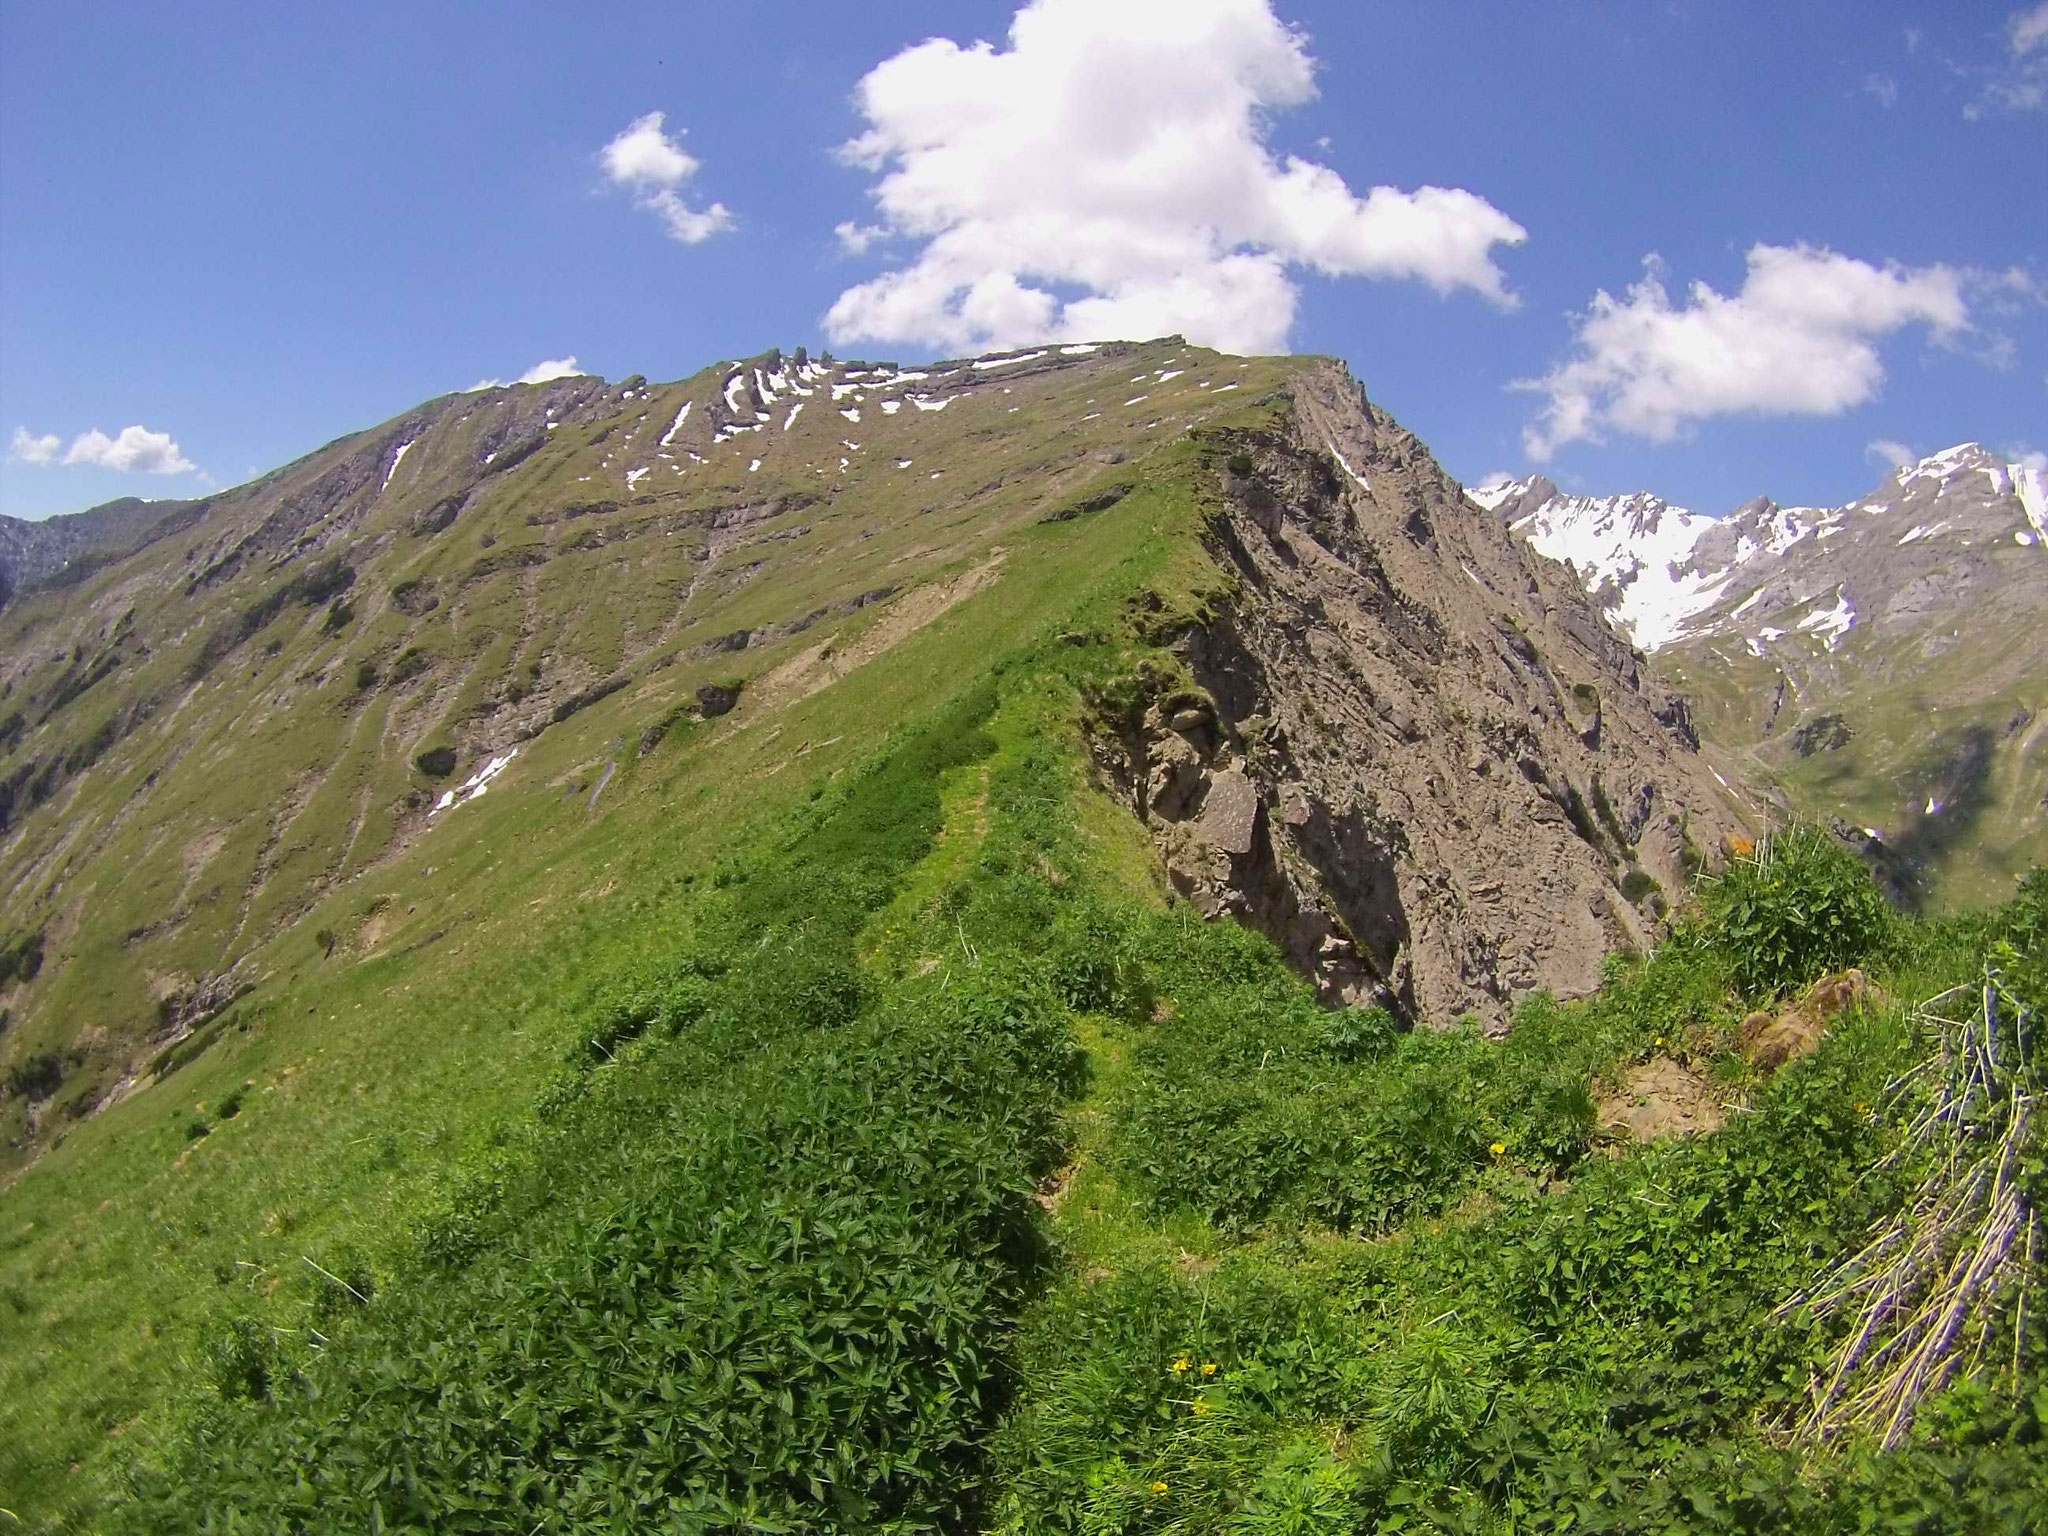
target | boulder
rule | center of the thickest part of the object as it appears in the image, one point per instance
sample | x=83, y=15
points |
x=715, y=699
x=1230, y=813
x=1771, y=1040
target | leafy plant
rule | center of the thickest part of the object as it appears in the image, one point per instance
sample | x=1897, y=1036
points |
x=1799, y=907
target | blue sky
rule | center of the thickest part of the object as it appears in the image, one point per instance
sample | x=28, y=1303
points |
x=242, y=231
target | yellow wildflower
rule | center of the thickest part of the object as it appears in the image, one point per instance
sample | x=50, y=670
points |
x=1498, y=1148
x=1200, y=1406
x=1660, y=1040
x=1159, y=1487
x=1181, y=1365
x=1209, y=1368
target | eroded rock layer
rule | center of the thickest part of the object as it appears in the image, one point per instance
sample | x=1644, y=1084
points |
x=1423, y=764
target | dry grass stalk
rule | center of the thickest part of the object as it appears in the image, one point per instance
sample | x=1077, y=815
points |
x=1931, y=1281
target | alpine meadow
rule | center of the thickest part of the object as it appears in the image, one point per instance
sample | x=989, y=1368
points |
x=977, y=927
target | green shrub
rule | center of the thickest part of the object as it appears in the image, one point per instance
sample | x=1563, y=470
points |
x=36, y=1075
x=238, y=1355
x=1801, y=907
x=21, y=958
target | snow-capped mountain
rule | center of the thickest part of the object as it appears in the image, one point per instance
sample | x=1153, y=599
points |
x=1882, y=659
x=1928, y=535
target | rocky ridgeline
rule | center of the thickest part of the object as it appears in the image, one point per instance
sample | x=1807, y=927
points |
x=1422, y=762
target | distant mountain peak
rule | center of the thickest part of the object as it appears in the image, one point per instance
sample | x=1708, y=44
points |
x=1665, y=573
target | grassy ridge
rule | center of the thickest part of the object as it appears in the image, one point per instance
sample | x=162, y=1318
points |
x=760, y=1265
x=751, y=1270
x=364, y=1076
x=763, y=1253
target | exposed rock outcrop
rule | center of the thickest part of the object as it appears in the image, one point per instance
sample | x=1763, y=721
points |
x=1422, y=762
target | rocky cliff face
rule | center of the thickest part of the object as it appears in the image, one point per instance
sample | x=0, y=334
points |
x=1424, y=764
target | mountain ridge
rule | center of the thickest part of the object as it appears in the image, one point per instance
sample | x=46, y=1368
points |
x=305, y=687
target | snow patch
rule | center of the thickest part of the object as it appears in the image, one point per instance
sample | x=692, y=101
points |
x=1363, y=483
x=396, y=459
x=889, y=408
x=2033, y=494
x=475, y=784
x=633, y=475
x=753, y=466
x=677, y=425
x=852, y=412
x=1009, y=362
x=790, y=420
x=1080, y=349
x=1831, y=623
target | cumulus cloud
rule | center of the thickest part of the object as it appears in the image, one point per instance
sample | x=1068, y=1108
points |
x=1882, y=89
x=653, y=166
x=1890, y=452
x=539, y=373
x=856, y=238
x=25, y=448
x=1798, y=339
x=2019, y=82
x=1106, y=176
x=133, y=450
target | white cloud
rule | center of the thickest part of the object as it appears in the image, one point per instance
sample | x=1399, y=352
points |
x=1882, y=89
x=539, y=373
x=133, y=451
x=653, y=166
x=1798, y=339
x=856, y=238
x=26, y=449
x=552, y=368
x=2027, y=31
x=1890, y=452
x=1106, y=176
x=2020, y=82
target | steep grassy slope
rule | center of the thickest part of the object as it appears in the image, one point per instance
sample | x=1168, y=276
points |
x=651, y=1141
x=766, y=1255
x=1929, y=759
x=234, y=740
x=459, y=973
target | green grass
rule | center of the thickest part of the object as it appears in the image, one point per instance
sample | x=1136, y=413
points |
x=377, y=1067
x=671, y=1164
